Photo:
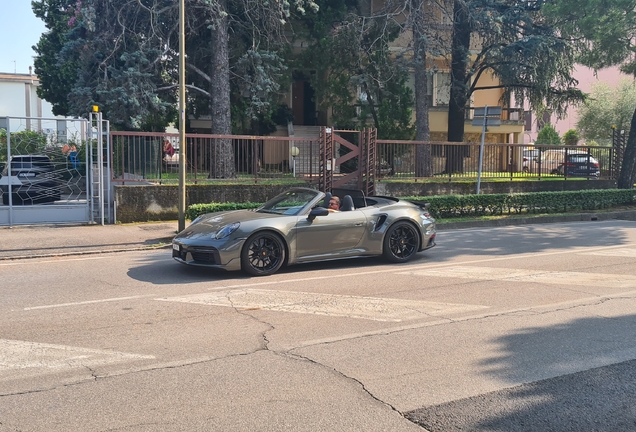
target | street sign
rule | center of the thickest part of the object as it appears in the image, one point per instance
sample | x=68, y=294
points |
x=484, y=117
x=491, y=116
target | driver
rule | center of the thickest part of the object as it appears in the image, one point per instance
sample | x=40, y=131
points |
x=334, y=204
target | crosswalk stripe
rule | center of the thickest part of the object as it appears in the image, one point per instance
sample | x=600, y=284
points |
x=626, y=252
x=532, y=276
x=371, y=308
x=23, y=355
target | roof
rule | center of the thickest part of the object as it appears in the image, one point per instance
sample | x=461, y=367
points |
x=21, y=78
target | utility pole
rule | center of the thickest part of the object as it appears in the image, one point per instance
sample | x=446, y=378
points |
x=182, y=122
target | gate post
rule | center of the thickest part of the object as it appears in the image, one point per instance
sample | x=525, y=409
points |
x=368, y=160
x=100, y=185
x=326, y=159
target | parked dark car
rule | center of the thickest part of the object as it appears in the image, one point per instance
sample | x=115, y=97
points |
x=33, y=180
x=580, y=165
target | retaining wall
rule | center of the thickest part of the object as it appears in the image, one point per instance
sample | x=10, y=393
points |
x=159, y=202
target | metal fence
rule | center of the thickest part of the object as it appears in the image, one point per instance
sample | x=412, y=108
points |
x=49, y=171
x=147, y=157
x=154, y=157
x=460, y=161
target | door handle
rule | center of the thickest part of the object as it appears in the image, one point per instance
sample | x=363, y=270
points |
x=358, y=224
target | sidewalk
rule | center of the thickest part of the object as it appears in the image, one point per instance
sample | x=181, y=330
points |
x=34, y=241
x=58, y=240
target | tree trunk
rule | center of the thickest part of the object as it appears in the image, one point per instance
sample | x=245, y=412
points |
x=222, y=164
x=460, y=52
x=627, y=177
x=423, y=157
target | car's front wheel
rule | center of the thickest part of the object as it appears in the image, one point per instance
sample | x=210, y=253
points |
x=401, y=242
x=263, y=254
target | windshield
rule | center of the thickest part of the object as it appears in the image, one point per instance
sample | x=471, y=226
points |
x=289, y=203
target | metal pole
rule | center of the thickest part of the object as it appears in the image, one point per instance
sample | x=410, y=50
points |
x=10, y=171
x=481, y=149
x=90, y=189
x=100, y=164
x=182, y=108
x=109, y=175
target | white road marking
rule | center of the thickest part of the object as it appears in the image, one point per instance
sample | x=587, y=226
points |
x=399, y=269
x=530, y=309
x=88, y=302
x=534, y=276
x=371, y=308
x=627, y=252
x=20, y=355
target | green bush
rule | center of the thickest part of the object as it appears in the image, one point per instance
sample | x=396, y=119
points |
x=548, y=135
x=453, y=206
x=196, y=210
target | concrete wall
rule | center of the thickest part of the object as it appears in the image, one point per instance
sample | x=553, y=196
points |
x=154, y=203
x=457, y=188
x=160, y=202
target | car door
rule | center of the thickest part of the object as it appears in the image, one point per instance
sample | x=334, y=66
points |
x=333, y=235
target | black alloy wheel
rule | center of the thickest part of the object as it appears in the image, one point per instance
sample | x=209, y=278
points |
x=401, y=242
x=263, y=254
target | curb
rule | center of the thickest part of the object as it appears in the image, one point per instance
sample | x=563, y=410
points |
x=579, y=217
x=88, y=252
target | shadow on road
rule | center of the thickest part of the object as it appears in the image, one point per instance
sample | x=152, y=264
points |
x=485, y=241
x=596, y=399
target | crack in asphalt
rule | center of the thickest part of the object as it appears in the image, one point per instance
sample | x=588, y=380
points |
x=246, y=314
x=289, y=353
x=350, y=378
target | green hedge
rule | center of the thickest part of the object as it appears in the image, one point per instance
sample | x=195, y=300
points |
x=452, y=206
x=197, y=210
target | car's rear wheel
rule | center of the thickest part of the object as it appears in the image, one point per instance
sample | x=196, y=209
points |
x=401, y=242
x=263, y=254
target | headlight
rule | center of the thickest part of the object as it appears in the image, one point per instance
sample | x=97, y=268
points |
x=227, y=230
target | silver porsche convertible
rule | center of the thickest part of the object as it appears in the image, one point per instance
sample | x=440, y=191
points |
x=296, y=227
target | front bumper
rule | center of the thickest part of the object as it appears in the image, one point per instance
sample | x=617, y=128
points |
x=206, y=256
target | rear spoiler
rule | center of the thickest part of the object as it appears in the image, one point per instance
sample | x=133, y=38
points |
x=421, y=204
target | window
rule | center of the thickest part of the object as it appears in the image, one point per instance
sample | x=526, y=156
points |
x=442, y=83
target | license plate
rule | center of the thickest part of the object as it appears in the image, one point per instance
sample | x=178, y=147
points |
x=176, y=247
x=26, y=175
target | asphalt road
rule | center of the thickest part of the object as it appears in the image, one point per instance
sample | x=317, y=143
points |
x=509, y=328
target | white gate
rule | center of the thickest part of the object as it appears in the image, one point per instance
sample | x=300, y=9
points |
x=54, y=170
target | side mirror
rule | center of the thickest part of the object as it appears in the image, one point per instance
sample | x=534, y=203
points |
x=317, y=211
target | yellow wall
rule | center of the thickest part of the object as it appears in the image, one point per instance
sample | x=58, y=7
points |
x=490, y=97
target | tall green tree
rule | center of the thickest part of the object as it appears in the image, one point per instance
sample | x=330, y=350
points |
x=56, y=76
x=515, y=43
x=604, y=33
x=607, y=107
x=126, y=55
x=354, y=72
x=357, y=54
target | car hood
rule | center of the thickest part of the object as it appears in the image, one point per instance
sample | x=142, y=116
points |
x=211, y=223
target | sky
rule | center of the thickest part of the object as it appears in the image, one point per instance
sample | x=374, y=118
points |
x=20, y=29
